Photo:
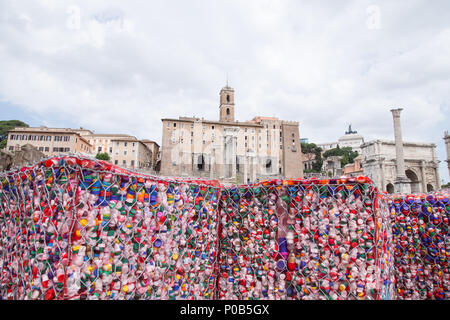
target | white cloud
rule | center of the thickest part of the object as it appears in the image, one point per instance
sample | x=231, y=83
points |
x=117, y=66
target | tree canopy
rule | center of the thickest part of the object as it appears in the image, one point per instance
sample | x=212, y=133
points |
x=317, y=151
x=7, y=125
x=347, y=154
x=103, y=156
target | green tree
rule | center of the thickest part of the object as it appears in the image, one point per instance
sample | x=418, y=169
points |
x=347, y=154
x=317, y=151
x=7, y=125
x=103, y=156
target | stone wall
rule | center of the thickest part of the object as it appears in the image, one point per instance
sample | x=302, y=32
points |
x=20, y=157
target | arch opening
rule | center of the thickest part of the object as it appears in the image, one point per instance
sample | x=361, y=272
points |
x=414, y=181
x=390, y=188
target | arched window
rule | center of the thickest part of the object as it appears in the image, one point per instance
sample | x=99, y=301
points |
x=390, y=188
x=228, y=111
x=228, y=98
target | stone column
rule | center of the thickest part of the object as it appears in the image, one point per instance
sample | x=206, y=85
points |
x=255, y=166
x=447, y=147
x=438, y=178
x=226, y=154
x=383, y=182
x=211, y=164
x=424, y=177
x=233, y=156
x=402, y=184
x=245, y=169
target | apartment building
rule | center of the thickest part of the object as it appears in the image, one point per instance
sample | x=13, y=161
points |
x=124, y=150
x=50, y=141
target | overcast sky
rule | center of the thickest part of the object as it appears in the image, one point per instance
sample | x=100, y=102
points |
x=121, y=66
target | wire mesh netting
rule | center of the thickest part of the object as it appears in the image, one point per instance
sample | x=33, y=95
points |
x=311, y=239
x=79, y=228
x=422, y=244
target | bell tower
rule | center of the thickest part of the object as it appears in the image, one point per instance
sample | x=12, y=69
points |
x=226, y=107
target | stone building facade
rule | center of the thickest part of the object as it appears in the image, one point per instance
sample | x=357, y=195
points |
x=49, y=141
x=447, y=147
x=124, y=150
x=354, y=169
x=230, y=150
x=350, y=139
x=156, y=156
x=421, y=165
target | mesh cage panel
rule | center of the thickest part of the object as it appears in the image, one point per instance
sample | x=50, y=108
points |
x=311, y=239
x=79, y=228
x=75, y=228
x=422, y=244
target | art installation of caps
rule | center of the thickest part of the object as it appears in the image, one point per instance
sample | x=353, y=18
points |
x=80, y=228
x=422, y=245
x=310, y=239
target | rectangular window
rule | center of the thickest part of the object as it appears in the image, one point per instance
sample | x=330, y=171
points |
x=212, y=127
x=47, y=149
x=132, y=163
x=99, y=149
x=110, y=149
x=11, y=148
x=182, y=125
x=12, y=137
x=117, y=143
x=116, y=161
x=41, y=149
x=126, y=144
x=55, y=149
x=67, y=150
x=124, y=162
x=133, y=145
x=168, y=124
x=125, y=153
